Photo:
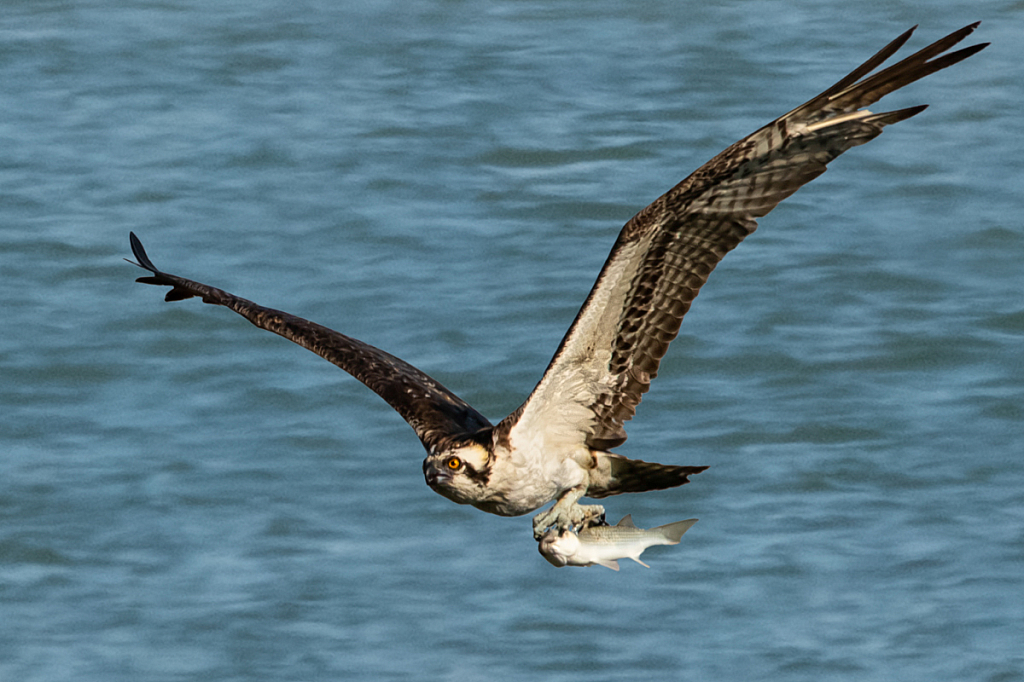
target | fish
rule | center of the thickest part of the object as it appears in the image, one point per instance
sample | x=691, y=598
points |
x=602, y=545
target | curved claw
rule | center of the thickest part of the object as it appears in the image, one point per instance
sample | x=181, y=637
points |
x=568, y=516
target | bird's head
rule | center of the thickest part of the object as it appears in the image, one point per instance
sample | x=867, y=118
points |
x=459, y=472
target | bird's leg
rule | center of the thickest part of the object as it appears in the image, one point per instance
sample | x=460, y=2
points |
x=566, y=514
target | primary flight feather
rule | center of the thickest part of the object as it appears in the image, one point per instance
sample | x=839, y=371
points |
x=555, y=445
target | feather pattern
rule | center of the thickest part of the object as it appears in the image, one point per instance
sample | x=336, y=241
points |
x=554, y=446
x=664, y=254
x=434, y=412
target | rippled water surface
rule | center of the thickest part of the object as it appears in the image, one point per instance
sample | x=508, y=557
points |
x=186, y=497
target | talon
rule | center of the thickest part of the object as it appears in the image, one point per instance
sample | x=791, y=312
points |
x=593, y=515
x=566, y=514
x=542, y=521
x=571, y=516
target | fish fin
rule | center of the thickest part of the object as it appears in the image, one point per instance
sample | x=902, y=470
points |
x=639, y=562
x=673, y=532
x=608, y=563
x=626, y=522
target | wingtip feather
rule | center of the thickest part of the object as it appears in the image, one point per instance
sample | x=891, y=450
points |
x=142, y=258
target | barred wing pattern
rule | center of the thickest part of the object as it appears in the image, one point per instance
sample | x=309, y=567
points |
x=664, y=254
x=434, y=412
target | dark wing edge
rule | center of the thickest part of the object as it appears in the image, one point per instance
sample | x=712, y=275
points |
x=434, y=412
x=664, y=254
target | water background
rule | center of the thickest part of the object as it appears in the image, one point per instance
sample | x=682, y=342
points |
x=185, y=497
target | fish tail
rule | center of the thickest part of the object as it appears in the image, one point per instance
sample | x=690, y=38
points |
x=673, y=532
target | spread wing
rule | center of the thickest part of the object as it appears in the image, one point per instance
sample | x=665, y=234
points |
x=434, y=412
x=665, y=253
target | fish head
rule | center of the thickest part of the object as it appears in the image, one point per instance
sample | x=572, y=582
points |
x=558, y=547
x=459, y=472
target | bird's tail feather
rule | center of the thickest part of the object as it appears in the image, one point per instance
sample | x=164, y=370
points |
x=615, y=474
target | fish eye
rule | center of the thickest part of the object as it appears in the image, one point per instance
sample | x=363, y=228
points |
x=454, y=463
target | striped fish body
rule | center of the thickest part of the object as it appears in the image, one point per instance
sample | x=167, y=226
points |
x=604, y=545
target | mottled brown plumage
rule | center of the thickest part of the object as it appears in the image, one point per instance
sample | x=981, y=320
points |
x=554, y=446
x=434, y=412
x=670, y=248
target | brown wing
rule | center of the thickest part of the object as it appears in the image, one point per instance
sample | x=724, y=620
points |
x=434, y=412
x=664, y=254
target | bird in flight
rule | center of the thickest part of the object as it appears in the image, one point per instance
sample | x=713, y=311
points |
x=556, y=445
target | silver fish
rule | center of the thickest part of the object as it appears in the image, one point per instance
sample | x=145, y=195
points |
x=602, y=545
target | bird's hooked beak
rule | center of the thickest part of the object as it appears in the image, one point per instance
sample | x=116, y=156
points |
x=435, y=476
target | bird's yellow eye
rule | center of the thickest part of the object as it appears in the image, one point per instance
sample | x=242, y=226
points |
x=454, y=463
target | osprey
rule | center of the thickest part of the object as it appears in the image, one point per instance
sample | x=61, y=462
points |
x=556, y=445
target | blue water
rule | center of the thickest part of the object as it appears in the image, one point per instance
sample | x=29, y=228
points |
x=185, y=497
